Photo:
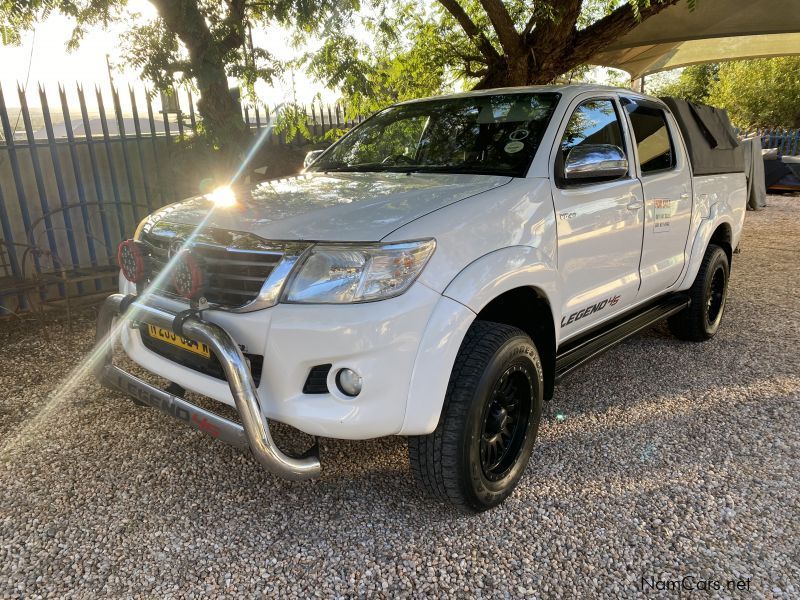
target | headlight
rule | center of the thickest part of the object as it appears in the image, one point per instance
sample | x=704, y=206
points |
x=340, y=274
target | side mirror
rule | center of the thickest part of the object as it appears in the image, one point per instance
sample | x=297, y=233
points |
x=595, y=161
x=311, y=157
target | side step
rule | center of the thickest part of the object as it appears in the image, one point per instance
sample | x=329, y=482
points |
x=577, y=352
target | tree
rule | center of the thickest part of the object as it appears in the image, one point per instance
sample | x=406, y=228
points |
x=194, y=41
x=496, y=43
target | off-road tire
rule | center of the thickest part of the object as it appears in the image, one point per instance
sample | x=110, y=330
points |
x=700, y=320
x=449, y=463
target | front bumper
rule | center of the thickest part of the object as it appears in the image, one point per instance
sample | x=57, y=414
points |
x=254, y=431
x=379, y=340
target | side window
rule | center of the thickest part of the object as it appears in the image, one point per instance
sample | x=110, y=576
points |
x=653, y=142
x=593, y=122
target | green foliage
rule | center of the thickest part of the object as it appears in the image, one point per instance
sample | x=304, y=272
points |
x=617, y=78
x=693, y=84
x=756, y=93
x=759, y=93
x=17, y=16
x=333, y=135
x=405, y=60
x=292, y=121
x=154, y=51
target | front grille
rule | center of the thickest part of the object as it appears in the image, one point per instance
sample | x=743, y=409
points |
x=207, y=366
x=235, y=265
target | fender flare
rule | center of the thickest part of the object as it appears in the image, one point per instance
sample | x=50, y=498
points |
x=501, y=271
x=471, y=290
x=717, y=216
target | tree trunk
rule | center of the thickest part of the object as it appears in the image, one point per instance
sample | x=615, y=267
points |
x=222, y=117
x=522, y=70
x=507, y=73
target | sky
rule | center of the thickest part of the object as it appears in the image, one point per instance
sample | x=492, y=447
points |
x=44, y=53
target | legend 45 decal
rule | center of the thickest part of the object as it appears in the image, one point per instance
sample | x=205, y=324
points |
x=589, y=310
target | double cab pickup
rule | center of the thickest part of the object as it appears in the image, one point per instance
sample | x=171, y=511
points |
x=433, y=274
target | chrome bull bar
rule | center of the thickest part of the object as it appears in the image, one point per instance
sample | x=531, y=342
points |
x=254, y=431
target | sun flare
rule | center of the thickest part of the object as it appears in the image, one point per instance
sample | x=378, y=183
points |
x=223, y=197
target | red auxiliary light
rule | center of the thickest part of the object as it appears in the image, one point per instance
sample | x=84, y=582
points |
x=130, y=259
x=187, y=275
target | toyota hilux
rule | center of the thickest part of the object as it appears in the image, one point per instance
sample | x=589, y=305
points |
x=433, y=275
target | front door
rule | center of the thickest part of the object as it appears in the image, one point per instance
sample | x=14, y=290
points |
x=666, y=181
x=599, y=224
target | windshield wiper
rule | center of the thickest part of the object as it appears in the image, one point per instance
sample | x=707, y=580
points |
x=462, y=169
x=364, y=168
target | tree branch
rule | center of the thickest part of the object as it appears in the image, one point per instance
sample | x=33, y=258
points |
x=529, y=25
x=503, y=25
x=476, y=73
x=179, y=66
x=559, y=27
x=187, y=22
x=471, y=29
x=235, y=23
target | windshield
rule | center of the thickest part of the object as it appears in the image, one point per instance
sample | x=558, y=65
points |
x=496, y=135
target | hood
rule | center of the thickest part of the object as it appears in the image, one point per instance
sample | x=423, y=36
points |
x=336, y=207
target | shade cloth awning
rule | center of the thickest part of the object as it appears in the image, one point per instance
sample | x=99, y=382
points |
x=716, y=30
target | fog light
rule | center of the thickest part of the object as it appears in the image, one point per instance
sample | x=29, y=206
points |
x=348, y=382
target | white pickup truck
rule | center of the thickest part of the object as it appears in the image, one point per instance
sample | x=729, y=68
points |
x=433, y=274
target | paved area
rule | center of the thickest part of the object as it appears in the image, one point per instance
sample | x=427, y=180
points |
x=659, y=461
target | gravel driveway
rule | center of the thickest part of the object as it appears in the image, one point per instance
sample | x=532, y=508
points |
x=658, y=461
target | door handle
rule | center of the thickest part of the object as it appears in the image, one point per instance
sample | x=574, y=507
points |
x=635, y=205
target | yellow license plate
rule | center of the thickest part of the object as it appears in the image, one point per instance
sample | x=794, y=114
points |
x=165, y=335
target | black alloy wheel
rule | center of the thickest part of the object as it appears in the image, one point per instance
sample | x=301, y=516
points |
x=505, y=422
x=716, y=295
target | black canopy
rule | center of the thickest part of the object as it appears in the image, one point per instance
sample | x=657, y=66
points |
x=709, y=136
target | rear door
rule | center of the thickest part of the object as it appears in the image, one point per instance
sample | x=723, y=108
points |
x=666, y=182
x=599, y=223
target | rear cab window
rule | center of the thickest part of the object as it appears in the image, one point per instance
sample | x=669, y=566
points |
x=654, y=145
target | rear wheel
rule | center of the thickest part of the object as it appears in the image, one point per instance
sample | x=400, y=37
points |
x=489, y=421
x=700, y=320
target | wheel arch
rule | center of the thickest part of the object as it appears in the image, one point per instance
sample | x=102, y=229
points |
x=723, y=237
x=516, y=286
x=494, y=287
x=718, y=229
x=528, y=309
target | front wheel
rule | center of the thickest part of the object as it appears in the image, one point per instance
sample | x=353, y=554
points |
x=489, y=422
x=700, y=320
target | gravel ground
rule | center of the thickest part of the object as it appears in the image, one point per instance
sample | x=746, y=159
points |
x=659, y=460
